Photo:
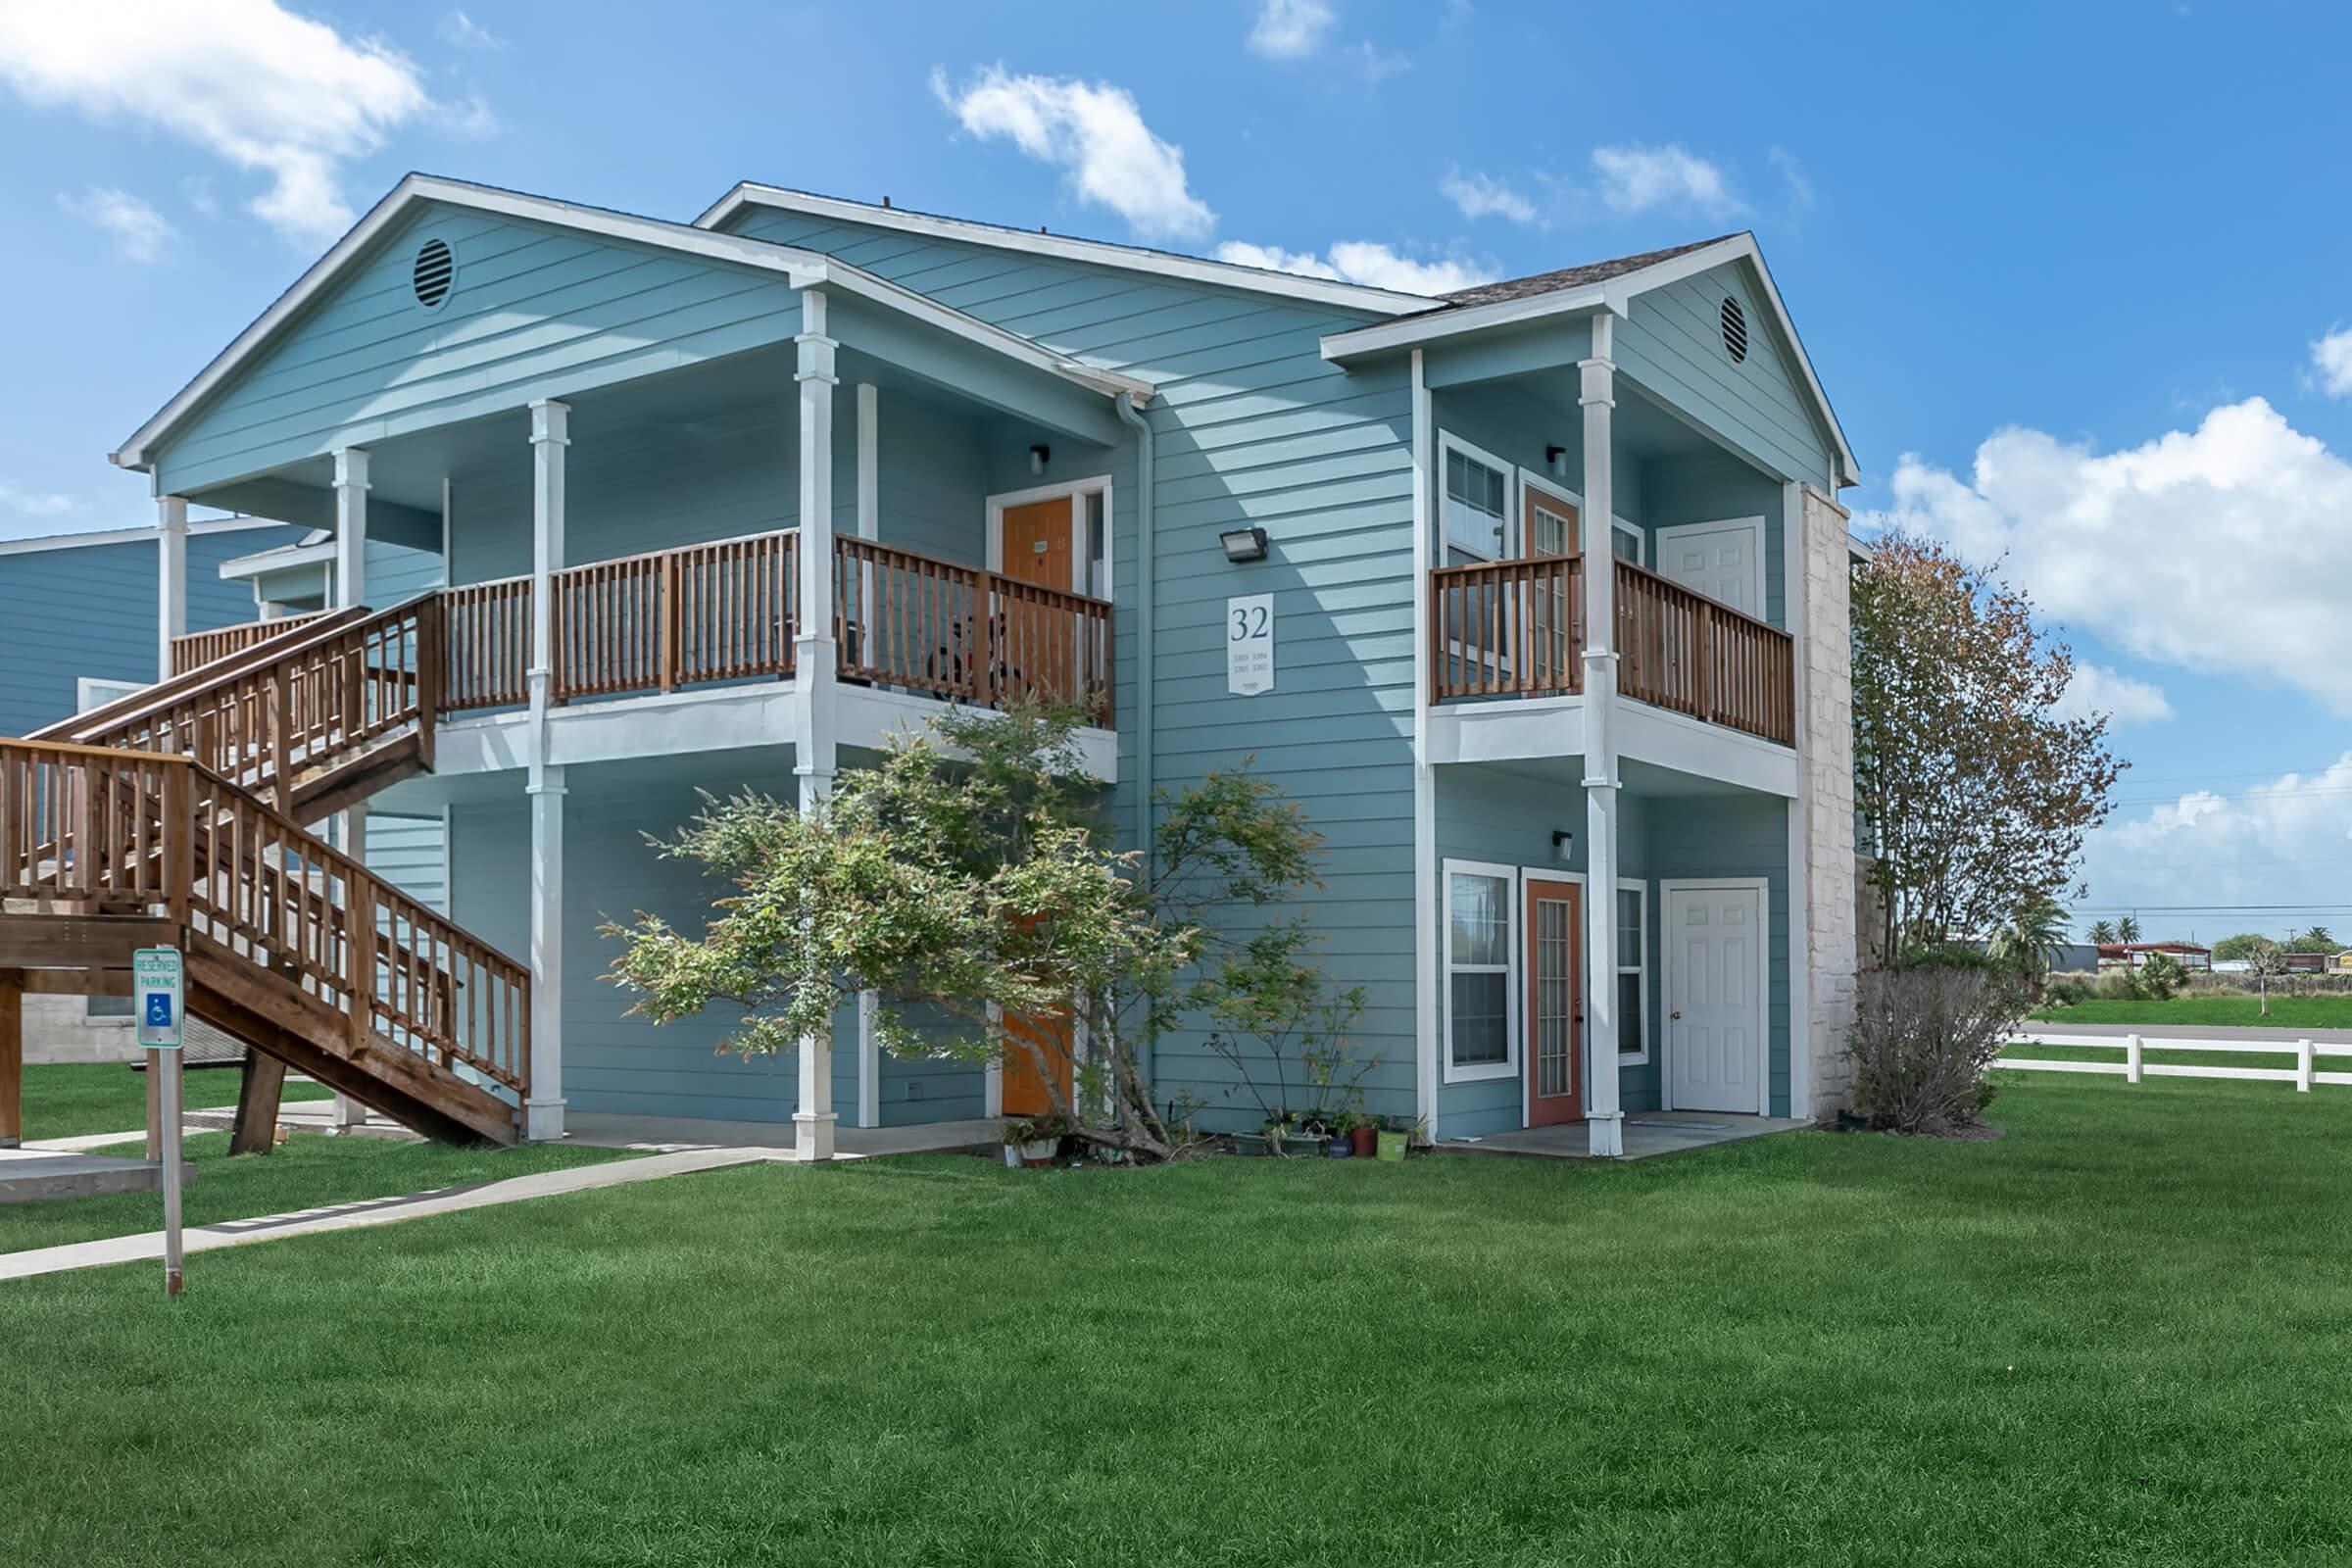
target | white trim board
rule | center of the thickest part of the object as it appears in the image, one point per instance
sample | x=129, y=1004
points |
x=1064, y=247
x=1667, y=888
x=799, y=269
x=44, y=543
x=1482, y=1072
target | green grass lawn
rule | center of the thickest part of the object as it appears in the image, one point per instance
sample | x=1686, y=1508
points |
x=2193, y=1059
x=69, y=1101
x=2245, y=1012
x=305, y=1172
x=2114, y=1336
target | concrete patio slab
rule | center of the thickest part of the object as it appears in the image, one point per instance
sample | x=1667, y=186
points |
x=32, y=1175
x=1648, y=1135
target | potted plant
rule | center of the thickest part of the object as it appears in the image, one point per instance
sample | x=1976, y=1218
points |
x=1363, y=1133
x=1032, y=1140
x=1391, y=1140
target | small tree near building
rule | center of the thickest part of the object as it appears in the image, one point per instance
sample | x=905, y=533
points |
x=970, y=874
x=2266, y=960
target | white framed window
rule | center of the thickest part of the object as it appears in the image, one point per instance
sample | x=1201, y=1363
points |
x=96, y=691
x=1482, y=971
x=1475, y=503
x=1632, y=971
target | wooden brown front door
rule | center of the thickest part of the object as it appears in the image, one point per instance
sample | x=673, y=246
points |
x=1024, y=1087
x=1555, y=1002
x=1029, y=638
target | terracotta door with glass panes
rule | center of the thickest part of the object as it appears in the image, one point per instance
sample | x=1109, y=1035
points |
x=1555, y=1002
x=1547, y=527
x=1029, y=639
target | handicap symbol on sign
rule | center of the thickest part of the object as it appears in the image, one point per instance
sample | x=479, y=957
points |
x=159, y=1010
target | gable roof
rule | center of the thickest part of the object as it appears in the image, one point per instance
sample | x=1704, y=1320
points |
x=1611, y=285
x=801, y=269
x=1066, y=247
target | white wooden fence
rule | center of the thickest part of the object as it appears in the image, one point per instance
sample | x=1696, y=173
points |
x=2134, y=1067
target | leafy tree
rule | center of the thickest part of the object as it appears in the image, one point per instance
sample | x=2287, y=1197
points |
x=2315, y=940
x=2232, y=948
x=970, y=874
x=2102, y=932
x=2266, y=960
x=1979, y=794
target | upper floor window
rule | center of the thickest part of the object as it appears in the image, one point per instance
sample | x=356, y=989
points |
x=1477, y=506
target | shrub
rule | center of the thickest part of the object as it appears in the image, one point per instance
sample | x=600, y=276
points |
x=2162, y=975
x=2118, y=985
x=1922, y=1038
x=2068, y=989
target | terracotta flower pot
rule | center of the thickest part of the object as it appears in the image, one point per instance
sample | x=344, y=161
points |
x=1366, y=1141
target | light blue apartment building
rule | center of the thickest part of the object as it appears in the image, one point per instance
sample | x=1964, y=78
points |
x=646, y=507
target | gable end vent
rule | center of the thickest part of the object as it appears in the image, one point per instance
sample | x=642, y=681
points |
x=433, y=273
x=1734, y=331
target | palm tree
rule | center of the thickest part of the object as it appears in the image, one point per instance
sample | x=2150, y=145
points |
x=2316, y=940
x=2102, y=932
x=2126, y=929
x=2031, y=943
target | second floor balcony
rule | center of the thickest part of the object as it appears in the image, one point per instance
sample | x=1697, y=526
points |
x=1516, y=629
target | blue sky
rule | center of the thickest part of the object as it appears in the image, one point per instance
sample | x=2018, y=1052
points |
x=2068, y=273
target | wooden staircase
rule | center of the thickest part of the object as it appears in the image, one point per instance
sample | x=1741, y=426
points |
x=177, y=818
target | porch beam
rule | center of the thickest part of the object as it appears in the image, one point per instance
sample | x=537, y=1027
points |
x=551, y=442
x=351, y=527
x=813, y=741
x=1598, y=398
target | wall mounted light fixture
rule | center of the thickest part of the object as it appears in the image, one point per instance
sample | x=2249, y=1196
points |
x=1243, y=544
x=1563, y=845
x=1039, y=457
x=1554, y=458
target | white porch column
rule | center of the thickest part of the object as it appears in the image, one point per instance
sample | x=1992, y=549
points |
x=349, y=589
x=170, y=578
x=351, y=527
x=543, y=1111
x=1599, y=396
x=813, y=745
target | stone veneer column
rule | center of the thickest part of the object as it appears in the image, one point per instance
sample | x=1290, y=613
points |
x=1831, y=948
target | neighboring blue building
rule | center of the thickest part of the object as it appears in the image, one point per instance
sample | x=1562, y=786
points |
x=78, y=611
x=803, y=471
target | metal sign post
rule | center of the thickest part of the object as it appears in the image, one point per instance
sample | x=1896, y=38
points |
x=156, y=1000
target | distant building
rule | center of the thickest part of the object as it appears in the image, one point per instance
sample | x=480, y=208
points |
x=2136, y=955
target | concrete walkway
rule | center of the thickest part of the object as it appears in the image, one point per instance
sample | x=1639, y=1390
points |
x=375, y=1211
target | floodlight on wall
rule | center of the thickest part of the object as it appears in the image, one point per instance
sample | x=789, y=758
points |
x=1039, y=457
x=1243, y=545
x=1563, y=846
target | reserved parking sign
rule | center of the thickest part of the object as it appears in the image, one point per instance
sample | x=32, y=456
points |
x=155, y=997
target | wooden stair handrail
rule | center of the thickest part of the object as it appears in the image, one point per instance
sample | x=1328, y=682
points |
x=233, y=640
x=175, y=687
x=261, y=657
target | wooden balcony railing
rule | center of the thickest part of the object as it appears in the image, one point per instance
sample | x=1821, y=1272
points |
x=199, y=648
x=930, y=626
x=1507, y=628
x=729, y=610
x=1515, y=628
x=1682, y=650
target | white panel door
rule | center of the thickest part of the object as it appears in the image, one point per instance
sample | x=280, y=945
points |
x=1714, y=999
x=1720, y=561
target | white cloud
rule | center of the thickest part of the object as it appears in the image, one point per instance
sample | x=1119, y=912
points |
x=1377, y=63
x=1365, y=261
x=461, y=31
x=248, y=80
x=1483, y=196
x=35, y=503
x=1274, y=259
x=2096, y=689
x=1291, y=29
x=2226, y=550
x=140, y=232
x=1639, y=179
x=2332, y=359
x=1792, y=174
x=2286, y=840
x=1095, y=132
